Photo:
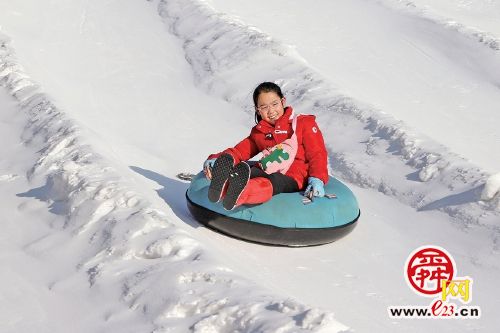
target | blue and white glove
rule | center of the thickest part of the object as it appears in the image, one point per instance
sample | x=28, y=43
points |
x=207, y=167
x=315, y=188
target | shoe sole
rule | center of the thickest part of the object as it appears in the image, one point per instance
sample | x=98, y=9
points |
x=238, y=179
x=220, y=174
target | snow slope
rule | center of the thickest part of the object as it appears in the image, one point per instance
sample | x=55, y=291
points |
x=115, y=231
x=362, y=140
x=439, y=82
x=93, y=237
x=477, y=19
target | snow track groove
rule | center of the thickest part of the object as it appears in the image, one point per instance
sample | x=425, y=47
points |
x=228, y=57
x=173, y=281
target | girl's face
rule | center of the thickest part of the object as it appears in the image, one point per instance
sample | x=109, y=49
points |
x=270, y=106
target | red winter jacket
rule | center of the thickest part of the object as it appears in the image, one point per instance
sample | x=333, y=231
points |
x=311, y=158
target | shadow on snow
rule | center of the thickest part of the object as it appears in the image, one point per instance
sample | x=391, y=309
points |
x=173, y=192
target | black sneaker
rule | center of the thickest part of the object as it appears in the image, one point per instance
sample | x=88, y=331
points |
x=220, y=173
x=238, y=179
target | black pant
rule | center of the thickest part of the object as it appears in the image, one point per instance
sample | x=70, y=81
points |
x=281, y=183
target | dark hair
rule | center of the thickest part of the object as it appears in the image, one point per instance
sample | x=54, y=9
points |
x=265, y=87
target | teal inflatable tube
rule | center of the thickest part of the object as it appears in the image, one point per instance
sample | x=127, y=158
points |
x=284, y=220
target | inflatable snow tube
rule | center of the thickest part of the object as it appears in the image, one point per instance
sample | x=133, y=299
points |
x=284, y=220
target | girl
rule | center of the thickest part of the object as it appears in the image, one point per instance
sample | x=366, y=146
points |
x=294, y=156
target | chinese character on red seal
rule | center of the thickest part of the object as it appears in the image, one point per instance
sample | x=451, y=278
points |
x=427, y=267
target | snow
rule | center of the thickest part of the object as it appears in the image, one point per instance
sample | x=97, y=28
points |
x=402, y=64
x=477, y=19
x=103, y=103
x=491, y=188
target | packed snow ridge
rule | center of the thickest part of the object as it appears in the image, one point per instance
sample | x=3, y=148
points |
x=122, y=243
x=366, y=146
x=488, y=39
